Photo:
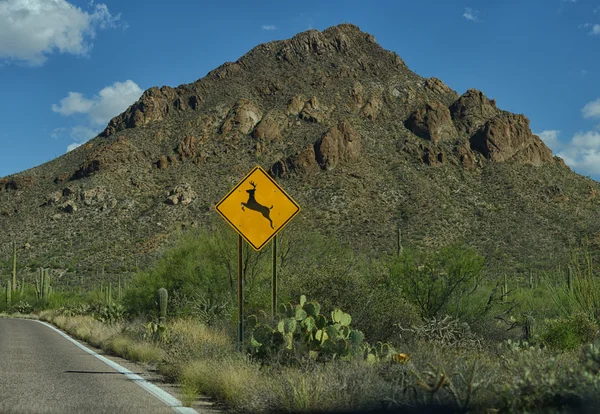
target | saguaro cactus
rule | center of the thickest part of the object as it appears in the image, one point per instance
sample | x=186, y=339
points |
x=47, y=287
x=14, y=267
x=8, y=293
x=163, y=297
x=531, y=282
x=528, y=327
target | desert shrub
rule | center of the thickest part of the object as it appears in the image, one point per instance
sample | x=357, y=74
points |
x=201, y=262
x=437, y=283
x=567, y=333
x=538, y=380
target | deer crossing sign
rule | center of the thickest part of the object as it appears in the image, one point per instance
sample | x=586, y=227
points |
x=257, y=208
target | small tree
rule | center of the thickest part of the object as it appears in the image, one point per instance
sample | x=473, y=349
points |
x=436, y=281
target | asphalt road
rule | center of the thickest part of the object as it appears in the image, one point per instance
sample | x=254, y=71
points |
x=42, y=372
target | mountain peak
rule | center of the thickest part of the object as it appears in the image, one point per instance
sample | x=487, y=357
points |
x=361, y=141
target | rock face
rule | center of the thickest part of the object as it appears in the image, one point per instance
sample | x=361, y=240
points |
x=508, y=137
x=271, y=127
x=94, y=195
x=303, y=163
x=242, y=118
x=187, y=148
x=339, y=144
x=114, y=155
x=314, y=111
x=438, y=87
x=16, y=183
x=433, y=122
x=498, y=135
x=154, y=104
x=471, y=111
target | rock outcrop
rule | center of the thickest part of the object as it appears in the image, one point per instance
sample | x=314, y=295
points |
x=432, y=122
x=508, y=138
x=181, y=194
x=303, y=163
x=339, y=144
x=16, y=183
x=271, y=127
x=471, y=111
x=154, y=104
x=242, y=118
x=115, y=155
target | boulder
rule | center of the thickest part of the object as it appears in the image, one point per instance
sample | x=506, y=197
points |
x=295, y=105
x=242, y=118
x=68, y=207
x=162, y=163
x=313, y=111
x=16, y=183
x=181, y=194
x=372, y=108
x=471, y=111
x=94, y=195
x=115, y=155
x=509, y=138
x=271, y=127
x=54, y=198
x=303, y=163
x=339, y=144
x=187, y=147
x=432, y=122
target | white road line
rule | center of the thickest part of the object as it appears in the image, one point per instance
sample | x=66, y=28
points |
x=151, y=388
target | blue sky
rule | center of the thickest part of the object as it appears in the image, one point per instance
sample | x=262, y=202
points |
x=68, y=66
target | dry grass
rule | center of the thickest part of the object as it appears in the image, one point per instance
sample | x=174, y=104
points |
x=110, y=338
x=231, y=380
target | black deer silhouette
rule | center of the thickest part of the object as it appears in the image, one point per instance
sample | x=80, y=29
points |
x=252, y=204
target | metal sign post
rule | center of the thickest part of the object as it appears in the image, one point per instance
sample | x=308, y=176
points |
x=240, y=294
x=257, y=208
x=274, y=282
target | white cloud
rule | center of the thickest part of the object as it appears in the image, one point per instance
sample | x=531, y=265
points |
x=74, y=103
x=30, y=30
x=597, y=9
x=471, y=14
x=591, y=109
x=101, y=108
x=82, y=133
x=98, y=110
x=594, y=28
x=550, y=138
x=582, y=153
x=268, y=27
x=74, y=145
x=57, y=132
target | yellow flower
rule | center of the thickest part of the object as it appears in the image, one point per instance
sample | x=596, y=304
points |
x=400, y=358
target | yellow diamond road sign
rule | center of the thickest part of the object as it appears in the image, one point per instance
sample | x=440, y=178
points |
x=257, y=208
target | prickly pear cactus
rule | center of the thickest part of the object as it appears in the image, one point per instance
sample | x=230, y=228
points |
x=302, y=330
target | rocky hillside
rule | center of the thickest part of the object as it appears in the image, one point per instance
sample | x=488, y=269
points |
x=361, y=142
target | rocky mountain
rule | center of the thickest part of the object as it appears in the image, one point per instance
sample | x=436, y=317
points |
x=361, y=142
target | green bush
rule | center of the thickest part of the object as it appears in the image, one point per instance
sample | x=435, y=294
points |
x=203, y=262
x=437, y=283
x=567, y=333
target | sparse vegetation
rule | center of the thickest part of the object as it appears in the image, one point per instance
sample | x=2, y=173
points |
x=423, y=329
